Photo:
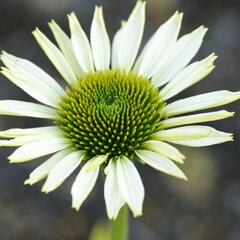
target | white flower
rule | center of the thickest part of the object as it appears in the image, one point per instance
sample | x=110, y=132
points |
x=112, y=111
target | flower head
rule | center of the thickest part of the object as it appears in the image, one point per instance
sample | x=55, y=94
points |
x=115, y=109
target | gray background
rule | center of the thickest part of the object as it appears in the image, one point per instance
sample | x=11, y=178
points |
x=205, y=208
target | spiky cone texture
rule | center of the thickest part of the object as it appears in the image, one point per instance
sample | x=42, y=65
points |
x=116, y=108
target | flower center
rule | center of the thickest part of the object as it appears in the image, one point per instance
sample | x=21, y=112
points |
x=110, y=112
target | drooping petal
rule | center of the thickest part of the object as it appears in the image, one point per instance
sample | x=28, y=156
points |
x=80, y=44
x=62, y=170
x=201, y=102
x=193, y=136
x=188, y=76
x=26, y=109
x=65, y=45
x=22, y=140
x=164, y=149
x=196, y=118
x=38, y=149
x=130, y=38
x=130, y=185
x=214, y=137
x=43, y=170
x=160, y=163
x=163, y=39
x=31, y=72
x=15, y=132
x=37, y=90
x=83, y=185
x=179, y=56
x=113, y=198
x=55, y=56
x=182, y=133
x=100, y=41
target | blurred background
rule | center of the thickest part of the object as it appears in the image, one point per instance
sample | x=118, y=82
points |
x=207, y=207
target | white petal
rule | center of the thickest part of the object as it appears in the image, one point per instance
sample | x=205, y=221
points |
x=193, y=136
x=26, y=109
x=38, y=90
x=196, y=118
x=201, y=102
x=100, y=41
x=131, y=37
x=38, y=149
x=65, y=45
x=130, y=184
x=162, y=40
x=15, y=132
x=160, y=163
x=182, y=133
x=22, y=140
x=179, y=56
x=62, y=170
x=164, y=149
x=43, y=170
x=96, y=162
x=83, y=185
x=214, y=137
x=188, y=76
x=55, y=56
x=113, y=198
x=115, y=48
x=31, y=72
x=80, y=44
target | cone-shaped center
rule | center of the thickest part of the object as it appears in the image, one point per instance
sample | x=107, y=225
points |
x=110, y=112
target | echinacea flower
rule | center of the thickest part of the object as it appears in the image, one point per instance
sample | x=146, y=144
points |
x=115, y=110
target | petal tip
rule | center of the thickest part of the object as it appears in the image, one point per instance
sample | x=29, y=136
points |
x=51, y=23
x=12, y=160
x=137, y=214
x=75, y=206
x=185, y=178
x=45, y=190
x=28, y=182
x=204, y=31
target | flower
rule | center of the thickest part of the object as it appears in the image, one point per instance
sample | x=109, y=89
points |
x=115, y=110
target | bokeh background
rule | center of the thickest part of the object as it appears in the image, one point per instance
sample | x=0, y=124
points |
x=207, y=207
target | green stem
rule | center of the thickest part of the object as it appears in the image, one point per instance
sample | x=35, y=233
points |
x=119, y=227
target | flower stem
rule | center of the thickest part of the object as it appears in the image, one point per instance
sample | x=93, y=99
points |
x=119, y=227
